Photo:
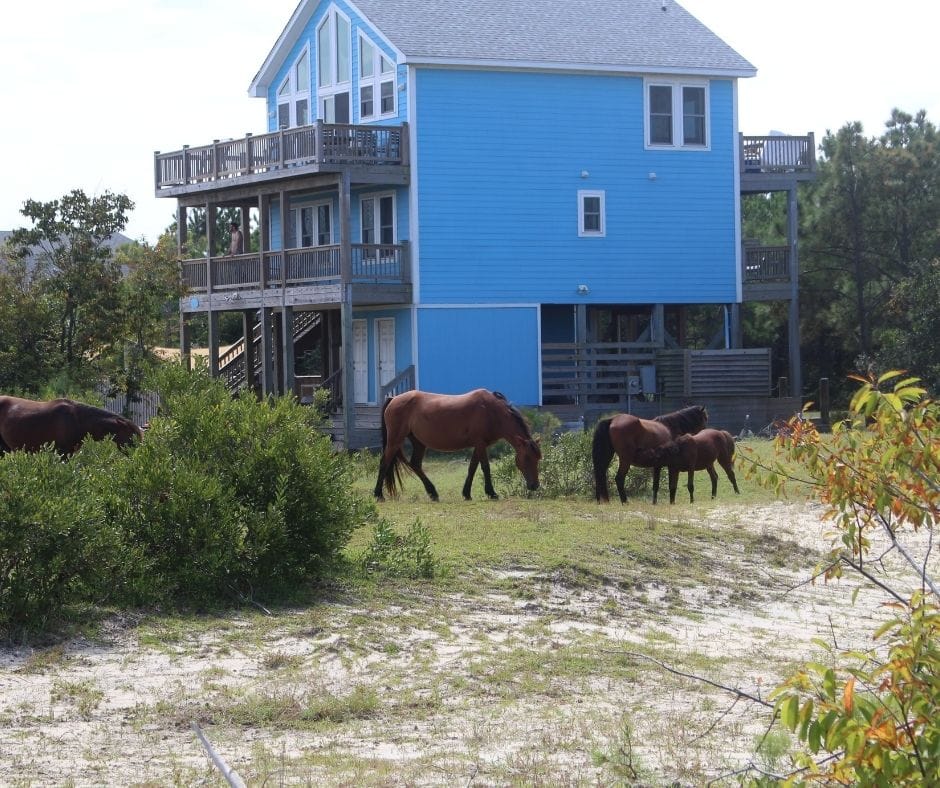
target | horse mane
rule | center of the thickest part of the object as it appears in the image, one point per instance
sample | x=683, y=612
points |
x=685, y=420
x=515, y=413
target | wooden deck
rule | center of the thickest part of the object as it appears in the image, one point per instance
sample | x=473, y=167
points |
x=310, y=275
x=770, y=162
x=319, y=147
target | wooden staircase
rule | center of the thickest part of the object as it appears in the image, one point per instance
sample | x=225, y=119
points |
x=231, y=363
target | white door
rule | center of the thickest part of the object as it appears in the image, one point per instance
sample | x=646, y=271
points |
x=385, y=349
x=360, y=361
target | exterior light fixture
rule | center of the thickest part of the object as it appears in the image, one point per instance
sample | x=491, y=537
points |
x=583, y=290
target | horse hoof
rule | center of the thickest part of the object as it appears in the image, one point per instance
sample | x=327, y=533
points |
x=492, y=496
x=467, y=498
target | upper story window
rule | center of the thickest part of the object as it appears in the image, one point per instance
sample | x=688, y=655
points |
x=376, y=82
x=377, y=217
x=334, y=67
x=591, y=210
x=676, y=114
x=293, y=94
x=312, y=224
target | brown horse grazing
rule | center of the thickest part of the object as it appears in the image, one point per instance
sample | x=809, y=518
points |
x=692, y=453
x=627, y=435
x=451, y=422
x=28, y=425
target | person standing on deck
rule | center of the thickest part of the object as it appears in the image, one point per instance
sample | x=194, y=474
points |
x=237, y=242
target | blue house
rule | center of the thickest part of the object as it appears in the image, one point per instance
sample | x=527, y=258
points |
x=527, y=195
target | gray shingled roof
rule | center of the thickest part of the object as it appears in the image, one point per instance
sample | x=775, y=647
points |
x=619, y=35
x=591, y=33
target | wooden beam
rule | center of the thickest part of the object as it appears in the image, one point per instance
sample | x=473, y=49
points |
x=248, y=357
x=267, y=359
x=346, y=310
x=287, y=350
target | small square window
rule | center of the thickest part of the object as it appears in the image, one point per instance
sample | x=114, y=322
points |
x=591, y=209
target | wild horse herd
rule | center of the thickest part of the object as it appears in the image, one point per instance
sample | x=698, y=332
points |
x=677, y=441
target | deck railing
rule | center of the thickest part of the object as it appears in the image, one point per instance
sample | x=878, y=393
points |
x=372, y=263
x=319, y=143
x=778, y=153
x=766, y=264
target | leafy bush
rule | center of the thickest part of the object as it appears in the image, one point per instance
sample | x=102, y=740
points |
x=223, y=498
x=872, y=718
x=55, y=544
x=233, y=494
x=400, y=556
x=566, y=469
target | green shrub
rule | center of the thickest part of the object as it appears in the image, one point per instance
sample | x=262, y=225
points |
x=223, y=498
x=566, y=469
x=233, y=494
x=395, y=555
x=55, y=545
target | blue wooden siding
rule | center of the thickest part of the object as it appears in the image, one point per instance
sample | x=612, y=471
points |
x=500, y=157
x=480, y=347
x=403, y=344
x=309, y=38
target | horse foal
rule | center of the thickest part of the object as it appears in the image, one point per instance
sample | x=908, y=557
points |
x=692, y=453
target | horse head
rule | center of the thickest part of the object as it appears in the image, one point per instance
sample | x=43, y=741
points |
x=125, y=431
x=528, y=454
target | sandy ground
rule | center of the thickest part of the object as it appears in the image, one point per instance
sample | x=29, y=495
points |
x=538, y=688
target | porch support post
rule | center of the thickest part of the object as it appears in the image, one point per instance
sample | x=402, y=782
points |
x=581, y=363
x=737, y=332
x=346, y=309
x=186, y=357
x=248, y=357
x=278, y=340
x=213, y=342
x=658, y=325
x=793, y=322
x=287, y=349
x=267, y=361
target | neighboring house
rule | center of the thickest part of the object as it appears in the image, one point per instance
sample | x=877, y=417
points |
x=526, y=195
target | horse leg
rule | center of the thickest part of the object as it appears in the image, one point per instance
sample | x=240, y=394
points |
x=385, y=462
x=487, y=479
x=657, y=472
x=729, y=470
x=621, y=477
x=673, y=483
x=713, y=475
x=691, y=486
x=471, y=471
x=417, y=455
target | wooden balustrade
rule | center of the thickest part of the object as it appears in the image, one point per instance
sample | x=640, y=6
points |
x=778, y=153
x=766, y=264
x=316, y=144
x=376, y=263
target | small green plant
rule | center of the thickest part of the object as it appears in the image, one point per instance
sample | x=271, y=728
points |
x=566, y=469
x=396, y=555
x=619, y=757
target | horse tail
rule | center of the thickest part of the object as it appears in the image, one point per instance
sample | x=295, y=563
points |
x=729, y=442
x=602, y=452
x=393, y=471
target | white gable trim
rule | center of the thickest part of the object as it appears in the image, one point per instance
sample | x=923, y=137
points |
x=290, y=35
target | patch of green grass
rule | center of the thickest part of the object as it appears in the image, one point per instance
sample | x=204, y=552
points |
x=86, y=696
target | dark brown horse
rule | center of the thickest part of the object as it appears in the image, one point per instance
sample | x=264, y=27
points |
x=28, y=425
x=451, y=422
x=626, y=435
x=692, y=453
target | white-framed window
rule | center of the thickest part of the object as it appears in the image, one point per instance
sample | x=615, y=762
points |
x=377, y=219
x=312, y=224
x=334, y=67
x=592, y=222
x=376, y=82
x=676, y=114
x=293, y=94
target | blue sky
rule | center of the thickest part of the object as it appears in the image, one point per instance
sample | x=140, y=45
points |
x=93, y=88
